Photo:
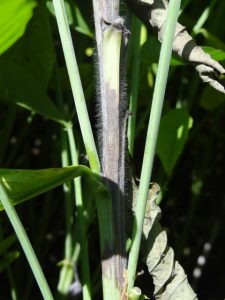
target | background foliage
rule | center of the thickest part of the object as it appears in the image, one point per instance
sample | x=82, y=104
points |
x=189, y=165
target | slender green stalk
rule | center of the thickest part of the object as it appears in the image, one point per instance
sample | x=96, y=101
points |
x=63, y=284
x=13, y=287
x=67, y=188
x=69, y=154
x=66, y=271
x=26, y=245
x=203, y=18
x=135, y=46
x=76, y=86
x=86, y=281
x=152, y=133
x=104, y=205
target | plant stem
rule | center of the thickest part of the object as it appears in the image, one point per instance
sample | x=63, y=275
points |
x=152, y=133
x=26, y=245
x=86, y=281
x=135, y=46
x=63, y=284
x=104, y=204
x=69, y=154
x=76, y=86
x=203, y=18
x=109, y=28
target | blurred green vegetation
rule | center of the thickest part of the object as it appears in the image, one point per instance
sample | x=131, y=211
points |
x=189, y=165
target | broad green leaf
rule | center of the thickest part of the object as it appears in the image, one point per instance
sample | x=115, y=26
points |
x=150, y=50
x=14, y=16
x=21, y=185
x=35, y=51
x=173, y=134
x=216, y=54
x=210, y=98
x=177, y=61
x=18, y=86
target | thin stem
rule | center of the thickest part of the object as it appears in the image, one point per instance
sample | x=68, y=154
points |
x=13, y=287
x=67, y=268
x=135, y=46
x=152, y=133
x=69, y=154
x=86, y=281
x=76, y=86
x=63, y=284
x=26, y=245
x=203, y=18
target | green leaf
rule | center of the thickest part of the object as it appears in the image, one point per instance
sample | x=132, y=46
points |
x=35, y=51
x=150, y=50
x=210, y=98
x=173, y=134
x=75, y=17
x=18, y=86
x=14, y=16
x=82, y=26
x=216, y=54
x=21, y=185
x=212, y=40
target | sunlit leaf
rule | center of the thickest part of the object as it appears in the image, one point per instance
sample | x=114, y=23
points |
x=35, y=51
x=210, y=99
x=172, y=137
x=21, y=185
x=14, y=16
x=216, y=54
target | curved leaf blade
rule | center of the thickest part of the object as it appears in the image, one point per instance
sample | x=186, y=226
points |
x=173, y=133
x=18, y=86
x=21, y=185
x=14, y=16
